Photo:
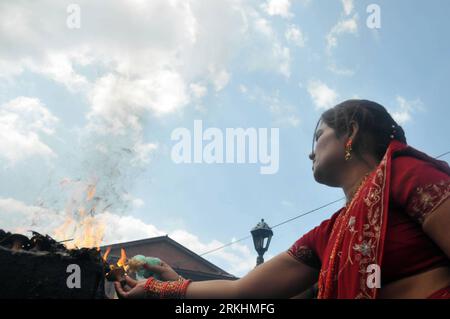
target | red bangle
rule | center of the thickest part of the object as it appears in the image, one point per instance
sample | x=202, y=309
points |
x=166, y=289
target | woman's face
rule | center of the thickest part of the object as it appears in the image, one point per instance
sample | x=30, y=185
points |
x=329, y=156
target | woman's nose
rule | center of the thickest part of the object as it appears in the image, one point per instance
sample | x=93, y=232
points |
x=312, y=156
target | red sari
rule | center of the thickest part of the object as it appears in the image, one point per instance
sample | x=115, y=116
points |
x=347, y=245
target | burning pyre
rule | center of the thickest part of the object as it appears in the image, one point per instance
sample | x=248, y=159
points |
x=36, y=267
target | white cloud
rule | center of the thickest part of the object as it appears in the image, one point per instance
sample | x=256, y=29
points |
x=198, y=90
x=142, y=152
x=349, y=25
x=138, y=203
x=126, y=228
x=58, y=67
x=243, y=89
x=263, y=26
x=283, y=54
x=405, y=109
x=16, y=216
x=322, y=96
x=348, y=6
x=134, y=201
x=340, y=70
x=22, y=121
x=305, y=3
x=346, y=26
x=294, y=35
x=270, y=53
x=132, y=67
x=120, y=103
x=278, y=8
x=283, y=114
x=401, y=117
x=129, y=69
x=134, y=62
x=220, y=78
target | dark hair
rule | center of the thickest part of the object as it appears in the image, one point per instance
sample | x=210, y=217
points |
x=377, y=128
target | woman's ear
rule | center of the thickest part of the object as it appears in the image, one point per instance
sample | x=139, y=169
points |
x=353, y=129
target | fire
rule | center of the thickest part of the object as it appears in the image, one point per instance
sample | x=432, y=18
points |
x=122, y=262
x=90, y=192
x=117, y=271
x=88, y=231
x=81, y=224
x=105, y=256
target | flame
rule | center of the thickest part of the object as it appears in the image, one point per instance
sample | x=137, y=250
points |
x=105, y=256
x=90, y=192
x=123, y=258
x=117, y=271
x=62, y=230
x=86, y=229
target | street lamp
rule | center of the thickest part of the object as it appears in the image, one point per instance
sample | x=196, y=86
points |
x=260, y=233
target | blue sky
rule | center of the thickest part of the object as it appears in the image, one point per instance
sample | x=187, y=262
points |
x=96, y=105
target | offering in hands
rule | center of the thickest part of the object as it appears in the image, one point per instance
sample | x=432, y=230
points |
x=139, y=265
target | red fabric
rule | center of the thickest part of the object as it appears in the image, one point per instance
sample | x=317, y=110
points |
x=443, y=293
x=381, y=226
x=417, y=185
x=310, y=248
x=408, y=250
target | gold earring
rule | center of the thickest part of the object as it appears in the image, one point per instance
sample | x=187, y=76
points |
x=348, y=150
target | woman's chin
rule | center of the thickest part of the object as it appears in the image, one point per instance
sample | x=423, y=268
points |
x=317, y=175
x=323, y=178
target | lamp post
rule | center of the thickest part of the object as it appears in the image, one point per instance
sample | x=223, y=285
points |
x=262, y=234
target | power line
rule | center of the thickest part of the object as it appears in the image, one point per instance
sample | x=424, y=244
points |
x=443, y=154
x=284, y=222
x=289, y=220
x=309, y=212
x=226, y=245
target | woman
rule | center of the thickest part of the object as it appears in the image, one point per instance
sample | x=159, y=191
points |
x=395, y=221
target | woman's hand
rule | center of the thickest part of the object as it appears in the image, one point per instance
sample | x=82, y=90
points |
x=164, y=271
x=132, y=290
x=135, y=289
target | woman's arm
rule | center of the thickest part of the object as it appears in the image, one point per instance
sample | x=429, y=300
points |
x=280, y=277
x=422, y=190
x=437, y=226
x=309, y=293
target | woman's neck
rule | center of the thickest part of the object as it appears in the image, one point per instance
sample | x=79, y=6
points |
x=354, y=177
